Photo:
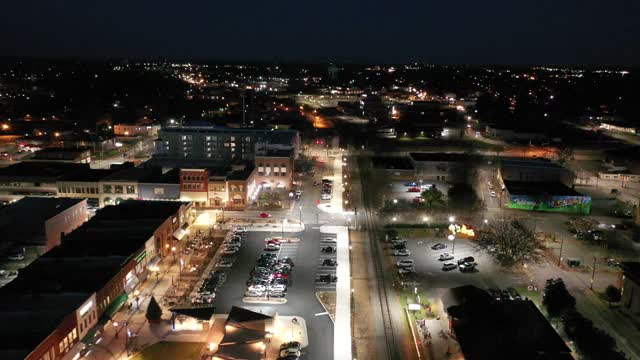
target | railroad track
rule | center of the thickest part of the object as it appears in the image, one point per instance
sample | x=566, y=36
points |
x=381, y=283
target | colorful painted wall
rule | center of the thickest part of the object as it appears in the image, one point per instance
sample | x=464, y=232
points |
x=566, y=204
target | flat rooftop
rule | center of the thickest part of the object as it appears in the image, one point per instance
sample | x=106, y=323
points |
x=530, y=163
x=451, y=157
x=41, y=169
x=23, y=221
x=60, y=281
x=392, y=163
x=539, y=188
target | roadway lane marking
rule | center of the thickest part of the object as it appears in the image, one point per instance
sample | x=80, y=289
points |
x=322, y=313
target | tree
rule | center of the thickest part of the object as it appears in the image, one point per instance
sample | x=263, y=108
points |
x=612, y=294
x=154, y=312
x=432, y=196
x=462, y=196
x=565, y=155
x=511, y=242
x=556, y=298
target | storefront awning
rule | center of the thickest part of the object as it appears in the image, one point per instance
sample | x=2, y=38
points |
x=116, y=304
x=179, y=234
x=88, y=339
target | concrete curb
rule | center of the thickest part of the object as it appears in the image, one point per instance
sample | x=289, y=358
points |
x=259, y=300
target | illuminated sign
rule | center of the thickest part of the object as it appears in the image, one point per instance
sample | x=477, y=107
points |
x=462, y=229
x=85, y=308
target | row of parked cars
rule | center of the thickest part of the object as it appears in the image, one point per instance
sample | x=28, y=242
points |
x=466, y=264
x=327, y=187
x=207, y=289
x=290, y=351
x=504, y=294
x=270, y=276
x=398, y=245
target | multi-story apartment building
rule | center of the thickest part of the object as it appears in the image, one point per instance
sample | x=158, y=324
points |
x=197, y=146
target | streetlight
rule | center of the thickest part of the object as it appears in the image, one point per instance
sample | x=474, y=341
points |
x=395, y=201
x=452, y=237
x=452, y=219
x=394, y=219
x=425, y=219
x=486, y=221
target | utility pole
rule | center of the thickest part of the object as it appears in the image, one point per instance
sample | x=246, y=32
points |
x=593, y=272
x=560, y=255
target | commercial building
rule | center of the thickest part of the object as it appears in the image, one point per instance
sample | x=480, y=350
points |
x=274, y=169
x=160, y=186
x=37, y=178
x=71, y=155
x=449, y=167
x=208, y=146
x=619, y=127
x=487, y=328
x=541, y=186
x=61, y=301
x=84, y=184
x=534, y=171
x=631, y=287
x=136, y=130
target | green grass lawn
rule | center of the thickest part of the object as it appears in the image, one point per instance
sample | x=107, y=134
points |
x=166, y=350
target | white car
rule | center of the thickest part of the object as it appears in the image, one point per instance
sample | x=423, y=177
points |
x=445, y=256
x=254, y=293
x=224, y=263
x=406, y=270
x=271, y=247
x=230, y=251
x=404, y=263
x=493, y=194
x=449, y=266
x=298, y=192
x=289, y=353
x=402, y=252
x=277, y=287
x=241, y=229
x=256, y=287
x=325, y=196
x=328, y=240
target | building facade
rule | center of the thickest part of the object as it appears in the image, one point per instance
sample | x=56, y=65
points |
x=213, y=146
x=136, y=130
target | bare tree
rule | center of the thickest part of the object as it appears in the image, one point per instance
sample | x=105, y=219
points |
x=511, y=242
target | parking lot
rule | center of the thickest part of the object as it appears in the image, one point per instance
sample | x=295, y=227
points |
x=428, y=266
x=409, y=190
x=301, y=299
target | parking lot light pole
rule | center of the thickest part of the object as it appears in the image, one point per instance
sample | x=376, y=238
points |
x=452, y=237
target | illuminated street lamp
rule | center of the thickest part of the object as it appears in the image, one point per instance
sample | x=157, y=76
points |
x=425, y=219
x=452, y=237
x=395, y=201
x=452, y=219
x=394, y=219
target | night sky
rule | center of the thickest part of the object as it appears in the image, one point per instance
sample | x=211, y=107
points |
x=503, y=32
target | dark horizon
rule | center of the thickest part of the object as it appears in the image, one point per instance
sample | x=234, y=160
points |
x=500, y=32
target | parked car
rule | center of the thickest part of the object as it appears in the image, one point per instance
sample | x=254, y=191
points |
x=493, y=194
x=286, y=353
x=414, y=190
x=291, y=345
x=328, y=240
x=402, y=252
x=326, y=197
x=406, y=270
x=392, y=234
x=271, y=247
x=254, y=293
x=399, y=246
x=287, y=260
x=230, y=251
x=328, y=278
x=445, y=256
x=329, y=262
x=241, y=229
x=468, y=259
x=404, y=263
x=410, y=184
x=328, y=249
x=449, y=266
x=327, y=181
x=224, y=263
x=264, y=215
x=257, y=288
x=439, y=246
x=277, y=287
x=276, y=294
x=466, y=267
x=514, y=293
